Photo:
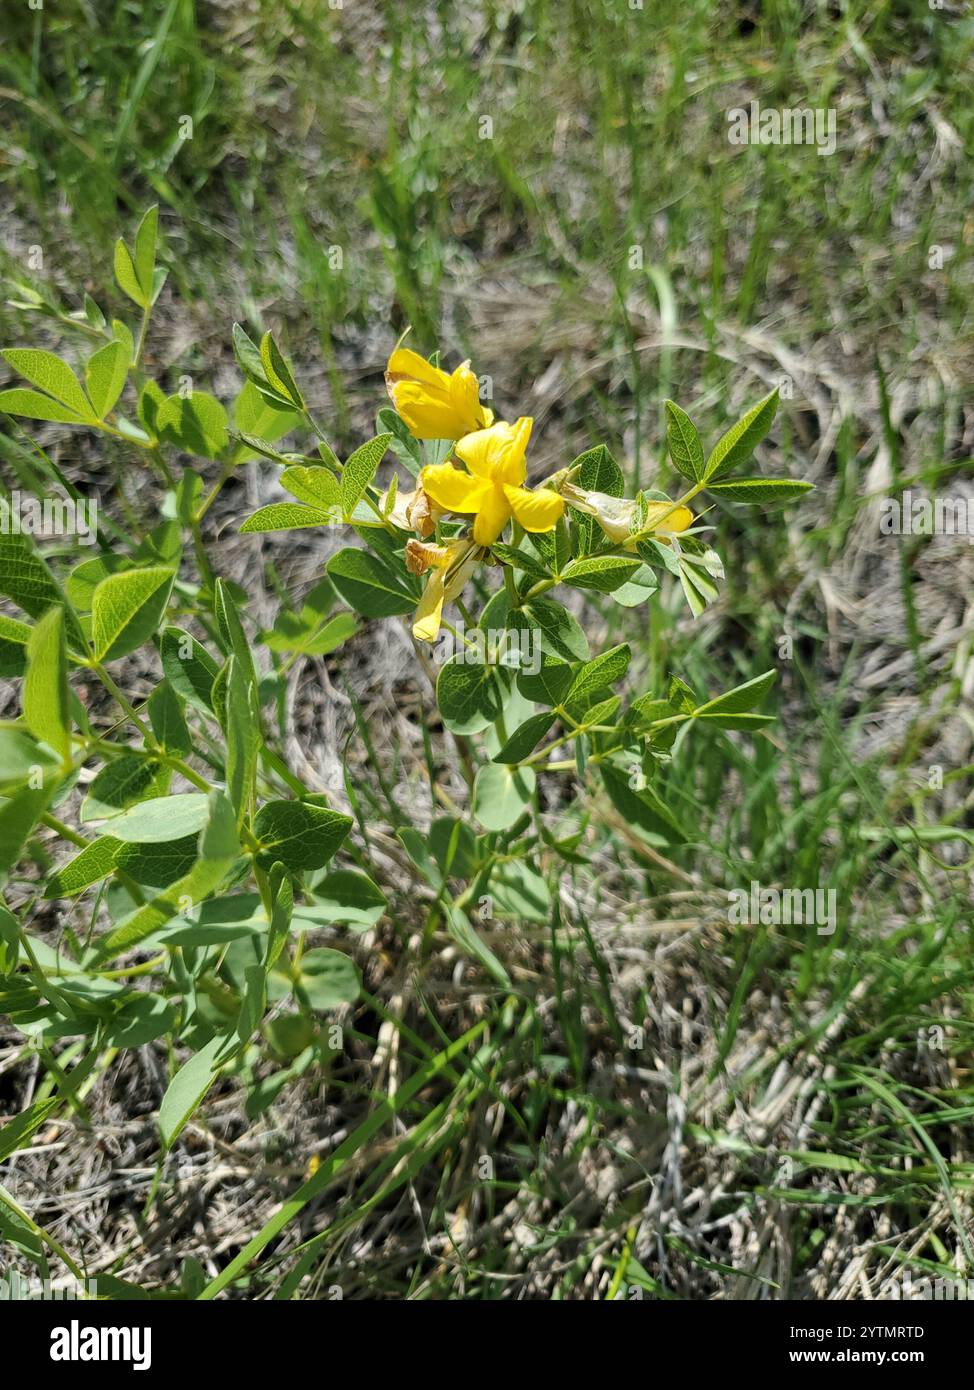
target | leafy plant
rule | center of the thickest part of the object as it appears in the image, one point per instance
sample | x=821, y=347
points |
x=201, y=859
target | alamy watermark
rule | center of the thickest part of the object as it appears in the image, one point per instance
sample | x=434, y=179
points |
x=771, y=125
x=517, y=648
x=21, y=514
x=916, y=514
x=940, y=1290
x=17, y=1288
x=777, y=907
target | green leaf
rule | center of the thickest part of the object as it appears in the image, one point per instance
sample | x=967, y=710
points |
x=254, y=1000
x=601, y=673
x=698, y=585
x=658, y=555
x=316, y=486
x=344, y=897
x=105, y=375
x=123, y=334
x=162, y=818
x=203, y=878
x=151, y=397
x=408, y=449
x=186, y=1090
x=643, y=807
x=597, y=471
x=685, y=448
x=638, y=589
x=602, y=712
x=232, y=631
x=255, y=415
x=761, y=489
x=25, y=578
x=81, y=583
x=221, y=919
x=601, y=572
x=95, y=862
x=247, y=354
x=126, y=610
x=127, y=277
x=326, y=979
x=742, y=439
x=143, y=1019
x=14, y=636
x=9, y=943
x=548, y=686
x=158, y=865
x=168, y=722
x=360, y=468
x=15, y=1134
x=277, y=371
x=501, y=793
x=31, y=405
x=196, y=424
x=520, y=560
x=145, y=252
x=561, y=636
x=20, y=757
x=218, y=838
x=454, y=846
x=742, y=697
x=369, y=586
x=465, y=935
x=299, y=834
x=526, y=738
x=53, y=376
x=519, y=892
x=122, y=783
x=189, y=668
x=248, y=444
x=471, y=695
x=285, y=516
x=282, y=910
x=45, y=694
x=241, y=723
x=299, y=632
x=18, y=816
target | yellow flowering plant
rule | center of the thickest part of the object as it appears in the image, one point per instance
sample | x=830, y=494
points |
x=204, y=855
x=521, y=674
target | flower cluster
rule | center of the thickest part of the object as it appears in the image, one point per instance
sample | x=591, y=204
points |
x=491, y=486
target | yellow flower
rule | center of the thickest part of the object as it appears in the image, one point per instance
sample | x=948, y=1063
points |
x=663, y=519
x=494, y=488
x=615, y=515
x=452, y=565
x=435, y=404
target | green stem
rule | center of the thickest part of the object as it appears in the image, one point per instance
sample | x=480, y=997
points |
x=125, y=704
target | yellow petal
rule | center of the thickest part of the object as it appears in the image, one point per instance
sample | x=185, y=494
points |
x=429, y=613
x=536, y=511
x=480, y=450
x=465, y=395
x=513, y=469
x=434, y=404
x=492, y=516
x=406, y=363
x=497, y=452
x=452, y=490
x=427, y=411
x=678, y=520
